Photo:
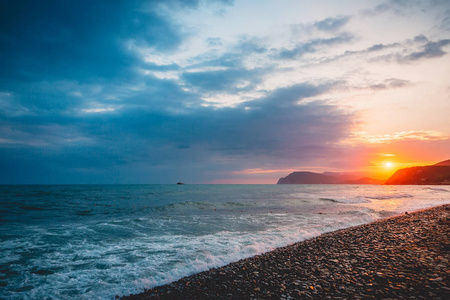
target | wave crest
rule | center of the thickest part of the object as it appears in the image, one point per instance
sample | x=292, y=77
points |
x=358, y=199
x=390, y=196
x=437, y=189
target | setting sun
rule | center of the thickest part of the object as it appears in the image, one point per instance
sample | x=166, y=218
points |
x=388, y=165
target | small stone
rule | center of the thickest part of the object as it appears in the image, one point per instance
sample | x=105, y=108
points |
x=436, y=279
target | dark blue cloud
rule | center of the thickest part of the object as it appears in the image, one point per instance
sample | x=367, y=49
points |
x=232, y=80
x=232, y=59
x=429, y=50
x=331, y=24
x=76, y=108
x=78, y=40
x=146, y=139
x=390, y=84
x=376, y=47
x=407, y=7
x=418, y=48
x=314, y=45
x=248, y=46
x=379, y=9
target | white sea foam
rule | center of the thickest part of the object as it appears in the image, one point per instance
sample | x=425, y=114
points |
x=126, y=246
x=125, y=268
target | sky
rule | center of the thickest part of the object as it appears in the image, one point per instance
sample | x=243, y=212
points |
x=220, y=91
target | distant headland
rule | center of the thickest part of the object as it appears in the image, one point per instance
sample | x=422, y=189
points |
x=434, y=174
x=327, y=178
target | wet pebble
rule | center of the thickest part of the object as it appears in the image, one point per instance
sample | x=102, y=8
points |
x=397, y=258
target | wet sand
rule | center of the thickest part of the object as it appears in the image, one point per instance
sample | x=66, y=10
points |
x=406, y=256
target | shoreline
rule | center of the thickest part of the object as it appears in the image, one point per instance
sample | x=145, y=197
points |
x=402, y=256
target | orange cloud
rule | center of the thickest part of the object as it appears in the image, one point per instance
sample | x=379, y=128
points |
x=421, y=135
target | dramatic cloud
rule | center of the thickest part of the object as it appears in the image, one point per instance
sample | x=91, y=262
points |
x=277, y=127
x=203, y=91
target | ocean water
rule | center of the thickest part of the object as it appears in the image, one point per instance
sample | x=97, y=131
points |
x=99, y=241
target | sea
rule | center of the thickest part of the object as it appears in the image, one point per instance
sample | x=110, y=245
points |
x=99, y=241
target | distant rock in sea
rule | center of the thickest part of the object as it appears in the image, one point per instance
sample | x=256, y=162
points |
x=326, y=178
x=435, y=174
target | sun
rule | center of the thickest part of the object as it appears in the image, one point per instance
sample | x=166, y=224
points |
x=388, y=164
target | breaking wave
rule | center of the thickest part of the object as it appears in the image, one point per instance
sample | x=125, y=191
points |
x=390, y=196
x=59, y=240
x=437, y=189
x=358, y=199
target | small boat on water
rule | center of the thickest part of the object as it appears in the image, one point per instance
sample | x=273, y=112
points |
x=180, y=183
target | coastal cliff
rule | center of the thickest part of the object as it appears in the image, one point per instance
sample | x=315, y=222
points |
x=435, y=174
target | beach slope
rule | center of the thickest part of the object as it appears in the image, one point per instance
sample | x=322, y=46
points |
x=406, y=256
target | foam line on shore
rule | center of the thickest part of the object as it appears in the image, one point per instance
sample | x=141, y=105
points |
x=397, y=257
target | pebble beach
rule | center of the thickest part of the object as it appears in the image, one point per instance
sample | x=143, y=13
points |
x=402, y=257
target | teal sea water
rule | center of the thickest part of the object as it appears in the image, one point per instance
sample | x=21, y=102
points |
x=99, y=241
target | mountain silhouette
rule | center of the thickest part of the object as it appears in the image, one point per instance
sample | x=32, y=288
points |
x=434, y=174
x=326, y=178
